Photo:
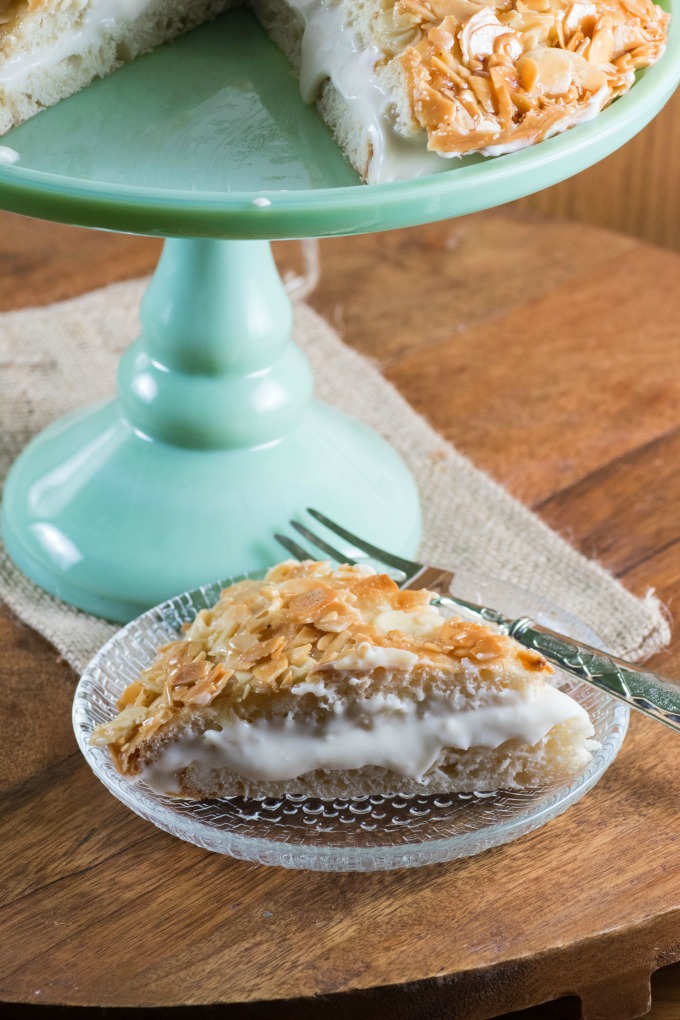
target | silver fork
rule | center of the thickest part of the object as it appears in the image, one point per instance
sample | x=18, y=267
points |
x=654, y=695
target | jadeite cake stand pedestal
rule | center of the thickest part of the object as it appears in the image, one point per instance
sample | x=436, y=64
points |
x=215, y=440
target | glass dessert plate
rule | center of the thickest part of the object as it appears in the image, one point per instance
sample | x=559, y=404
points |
x=371, y=834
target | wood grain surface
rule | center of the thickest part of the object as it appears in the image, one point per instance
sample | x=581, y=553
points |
x=637, y=189
x=547, y=352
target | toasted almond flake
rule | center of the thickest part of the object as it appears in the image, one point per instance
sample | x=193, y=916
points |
x=130, y=695
x=601, y=48
x=300, y=654
x=442, y=39
x=579, y=16
x=527, y=71
x=482, y=91
x=446, y=68
x=501, y=89
x=261, y=650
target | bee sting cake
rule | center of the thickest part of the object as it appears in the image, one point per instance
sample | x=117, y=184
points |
x=336, y=683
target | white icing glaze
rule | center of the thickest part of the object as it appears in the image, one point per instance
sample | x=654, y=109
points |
x=330, y=50
x=384, y=730
x=422, y=622
x=92, y=28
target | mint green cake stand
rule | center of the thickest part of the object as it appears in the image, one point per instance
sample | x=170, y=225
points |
x=215, y=440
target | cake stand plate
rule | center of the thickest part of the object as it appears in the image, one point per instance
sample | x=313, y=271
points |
x=214, y=441
x=181, y=142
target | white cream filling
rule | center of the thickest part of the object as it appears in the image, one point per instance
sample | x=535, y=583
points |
x=368, y=657
x=92, y=28
x=384, y=730
x=423, y=621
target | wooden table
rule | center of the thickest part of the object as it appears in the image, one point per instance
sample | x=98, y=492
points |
x=549, y=354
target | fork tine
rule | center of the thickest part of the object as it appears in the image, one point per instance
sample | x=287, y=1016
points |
x=408, y=566
x=334, y=554
x=293, y=548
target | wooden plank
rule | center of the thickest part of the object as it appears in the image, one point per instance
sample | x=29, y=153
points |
x=627, y=510
x=556, y=388
x=45, y=262
x=38, y=739
x=636, y=190
x=450, y=277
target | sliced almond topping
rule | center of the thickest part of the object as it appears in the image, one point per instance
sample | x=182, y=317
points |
x=579, y=16
x=601, y=48
x=205, y=690
x=433, y=107
x=300, y=654
x=502, y=83
x=479, y=35
x=543, y=61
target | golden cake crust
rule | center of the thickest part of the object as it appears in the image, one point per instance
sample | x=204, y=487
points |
x=295, y=627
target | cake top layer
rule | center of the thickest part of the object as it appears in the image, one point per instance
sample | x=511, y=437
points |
x=501, y=74
x=307, y=629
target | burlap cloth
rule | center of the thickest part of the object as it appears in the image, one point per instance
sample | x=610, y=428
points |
x=61, y=357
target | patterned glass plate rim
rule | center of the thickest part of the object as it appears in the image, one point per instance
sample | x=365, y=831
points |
x=371, y=834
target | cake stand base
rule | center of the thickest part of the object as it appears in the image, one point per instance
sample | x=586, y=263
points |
x=213, y=445
x=112, y=523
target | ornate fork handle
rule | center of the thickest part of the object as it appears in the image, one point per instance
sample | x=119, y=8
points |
x=648, y=692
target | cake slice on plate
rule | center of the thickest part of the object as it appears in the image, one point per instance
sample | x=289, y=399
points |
x=404, y=85
x=339, y=684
